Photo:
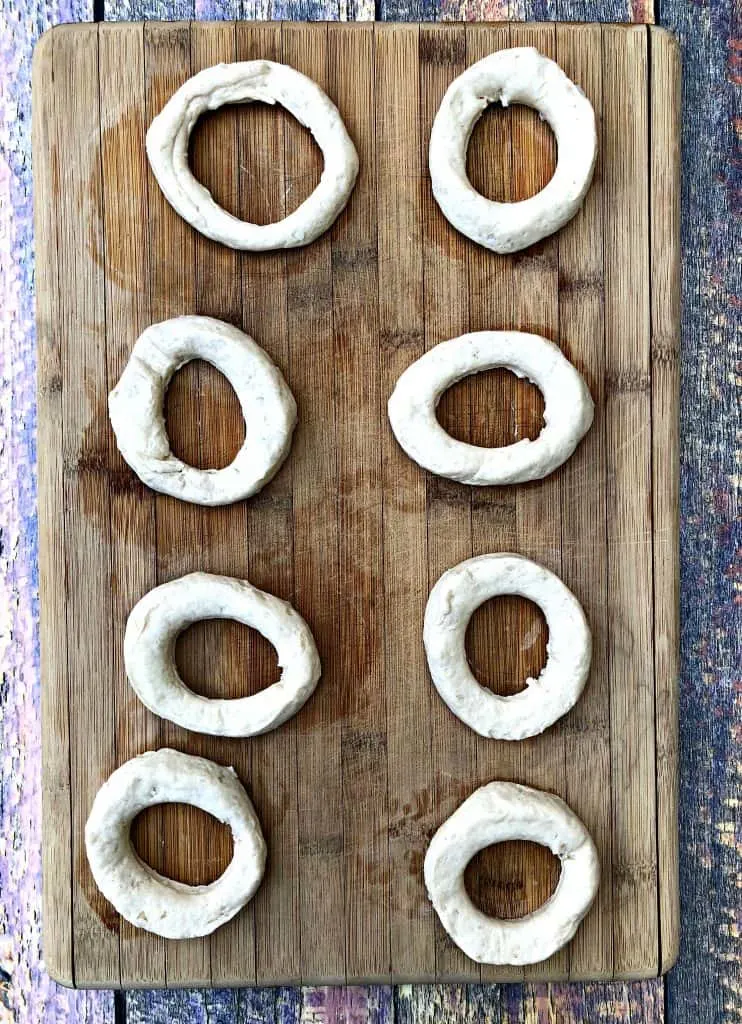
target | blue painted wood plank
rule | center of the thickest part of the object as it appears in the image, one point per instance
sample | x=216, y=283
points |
x=418, y=1003
x=169, y=1007
x=288, y=1002
x=251, y=10
x=221, y=1005
x=259, y=1006
x=706, y=985
x=151, y=10
x=487, y=1002
x=517, y=10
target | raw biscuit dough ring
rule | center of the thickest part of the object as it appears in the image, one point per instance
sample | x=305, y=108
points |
x=162, y=614
x=519, y=75
x=136, y=410
x=568, y=408
x=495, y=813
x=138, y=892
x=244, y=82
x=453, y=600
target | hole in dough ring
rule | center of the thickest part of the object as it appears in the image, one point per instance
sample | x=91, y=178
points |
x=568, y=408
x=267, y=82
x=452, y=602
x=495, y=813
x=138, y=892
x=520, y=75
x=136, y=409
x=161, y=615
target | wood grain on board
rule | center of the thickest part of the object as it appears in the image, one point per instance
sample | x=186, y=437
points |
x=270, y=525
x=351, y=531
x=664, y=212
x=132, y=505
x=629, y=496
x=583, y=503
x=56, y=787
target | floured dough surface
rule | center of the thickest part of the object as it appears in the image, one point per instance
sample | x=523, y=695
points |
x=149, y=654
x=245, y=82
x=136, y=409
x=139, y=893
x=519, y=75
x=568, y=408
x=495, y=813
x=452, y=602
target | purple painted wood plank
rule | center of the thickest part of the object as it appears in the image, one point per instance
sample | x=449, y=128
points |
x=372, y=1004
x=707, y=982
x=617, y=1002
x=641, y=11
x=26, y=992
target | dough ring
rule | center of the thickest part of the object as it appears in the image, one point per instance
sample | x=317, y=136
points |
x=137, y=402
x=568, y=408
x=149, y=654
x=141, y=895
x=521, y=75
x=453, y=600
x=268, y=82
x=495, y=813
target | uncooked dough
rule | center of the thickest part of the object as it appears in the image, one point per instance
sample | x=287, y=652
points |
x=138, y=892
x=136, y=409
x=495, y=813
x=568, y=408
x=520, y=75
x=452, y=602
x=245, y=82
x=149, y=654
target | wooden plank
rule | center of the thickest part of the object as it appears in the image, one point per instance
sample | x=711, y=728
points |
x=583, y=504
x=179, y=525
x=492, y=653
x=361, y=613
x=665, y=109
x=225, y=647
x=708, y=970
x=56, y=793
x=538, y=505
x=621, y=11
x=621, y=1002
x=270, y=526
x=309, y=273
x=126, y=254
x=81, y=324
x=628, y=450
x=401, y=339
x=442, y=58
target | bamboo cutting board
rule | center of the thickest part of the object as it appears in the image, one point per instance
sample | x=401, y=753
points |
x=352, y=532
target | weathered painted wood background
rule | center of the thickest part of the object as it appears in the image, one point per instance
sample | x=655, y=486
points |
x=707, y=983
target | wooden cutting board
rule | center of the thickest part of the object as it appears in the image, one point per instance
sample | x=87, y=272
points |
x=351, y=531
